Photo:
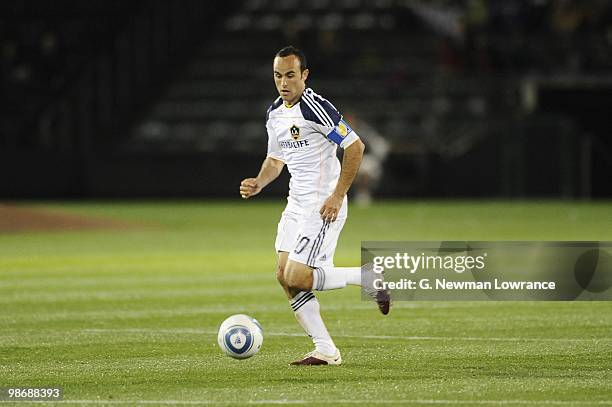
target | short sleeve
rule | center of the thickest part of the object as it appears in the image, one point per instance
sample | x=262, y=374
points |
x=326, y=119
x=274, y=149
x=342, y=134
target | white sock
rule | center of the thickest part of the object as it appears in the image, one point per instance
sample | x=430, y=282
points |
x=331, y=278
x=306, y=309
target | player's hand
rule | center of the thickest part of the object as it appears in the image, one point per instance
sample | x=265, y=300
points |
x=330, y=209
x=249, y=187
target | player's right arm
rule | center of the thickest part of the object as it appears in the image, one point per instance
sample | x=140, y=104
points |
x=270, y=170
x=272, y=165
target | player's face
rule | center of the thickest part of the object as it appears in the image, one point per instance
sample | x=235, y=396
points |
x=289, y=79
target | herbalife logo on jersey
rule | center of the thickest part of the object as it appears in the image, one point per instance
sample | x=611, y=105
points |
x=295, y=132
x=293, y=144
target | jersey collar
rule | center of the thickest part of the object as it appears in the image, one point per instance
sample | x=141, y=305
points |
x=288, y=106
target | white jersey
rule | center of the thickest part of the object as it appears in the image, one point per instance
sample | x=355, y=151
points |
x=304, y=136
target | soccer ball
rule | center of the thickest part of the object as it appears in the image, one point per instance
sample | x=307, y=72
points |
x=240, y=336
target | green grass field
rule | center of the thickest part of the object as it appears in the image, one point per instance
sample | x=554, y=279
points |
x=128, y=317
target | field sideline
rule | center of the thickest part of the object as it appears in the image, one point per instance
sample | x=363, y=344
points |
x=128, y=315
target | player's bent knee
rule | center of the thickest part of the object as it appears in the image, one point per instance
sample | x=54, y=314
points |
x=296, y=279
x=290, y=278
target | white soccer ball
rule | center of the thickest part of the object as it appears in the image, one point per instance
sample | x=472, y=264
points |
x=240, y=336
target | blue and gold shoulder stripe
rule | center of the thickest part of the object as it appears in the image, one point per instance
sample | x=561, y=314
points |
x=318, y=109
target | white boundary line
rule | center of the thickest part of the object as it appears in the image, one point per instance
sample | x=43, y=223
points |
x=340, y=401
x=390, y=337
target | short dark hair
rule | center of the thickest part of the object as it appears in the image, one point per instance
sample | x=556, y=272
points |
x=291, y=50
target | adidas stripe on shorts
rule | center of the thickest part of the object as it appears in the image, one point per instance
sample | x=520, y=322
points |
x=308, y=239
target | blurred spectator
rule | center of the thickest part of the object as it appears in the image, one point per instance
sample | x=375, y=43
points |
x=371, y=169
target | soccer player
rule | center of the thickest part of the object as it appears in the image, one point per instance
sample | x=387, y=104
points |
x=304, y=130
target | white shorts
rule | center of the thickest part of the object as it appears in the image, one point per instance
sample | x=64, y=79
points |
x=308, y=239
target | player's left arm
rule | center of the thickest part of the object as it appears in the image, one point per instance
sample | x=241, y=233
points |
x=351, y=160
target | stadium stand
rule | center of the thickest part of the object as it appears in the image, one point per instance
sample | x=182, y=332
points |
x=444, y=66
x=452, y=85
x=44, y=46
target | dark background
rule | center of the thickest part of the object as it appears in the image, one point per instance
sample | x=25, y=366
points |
x=157, y=98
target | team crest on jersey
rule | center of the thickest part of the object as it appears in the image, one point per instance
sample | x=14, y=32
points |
x=295, y=132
